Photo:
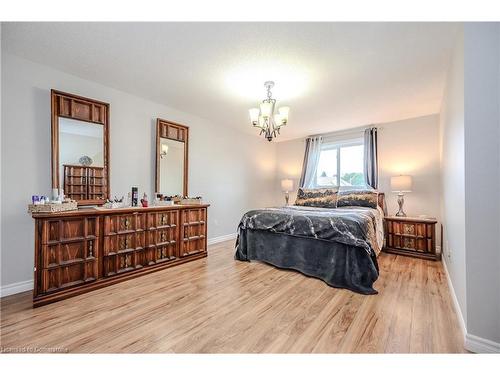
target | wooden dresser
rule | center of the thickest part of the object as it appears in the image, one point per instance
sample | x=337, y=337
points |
x=78, y=251
x=411, y=236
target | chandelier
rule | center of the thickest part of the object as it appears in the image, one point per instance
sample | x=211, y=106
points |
x=264, y=117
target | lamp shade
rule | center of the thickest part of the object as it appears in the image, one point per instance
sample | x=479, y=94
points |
x=401, y=184
x=266, y=108
x=254, y=114
x=287, y=185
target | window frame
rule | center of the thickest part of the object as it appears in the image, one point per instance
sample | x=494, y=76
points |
x=332, y=145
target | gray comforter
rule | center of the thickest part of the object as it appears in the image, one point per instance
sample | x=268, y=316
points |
x=338, y=245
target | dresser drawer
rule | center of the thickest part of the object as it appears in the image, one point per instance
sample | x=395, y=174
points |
x=161, y=219
x=123, y=242
x=119, y=263
x=124, y=223
x=69, y=229
x=165, y=252
x=71, y=275
x=68, y=252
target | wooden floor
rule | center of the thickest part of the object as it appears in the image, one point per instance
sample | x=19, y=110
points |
x=239, y=307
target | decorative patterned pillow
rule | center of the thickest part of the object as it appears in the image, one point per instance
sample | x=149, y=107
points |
x=326, y=198
x=358, y=197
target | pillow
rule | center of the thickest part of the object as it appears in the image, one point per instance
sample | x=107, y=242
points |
x=358, y=197
x=326, y=198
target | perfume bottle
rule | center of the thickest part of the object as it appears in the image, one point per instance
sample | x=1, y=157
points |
x=135, y=196
x=144, y=200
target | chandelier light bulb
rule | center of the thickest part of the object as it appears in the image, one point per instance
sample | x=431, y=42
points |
x=254, y=115
x=284, y=112
x=266, y=109
x=265, y=118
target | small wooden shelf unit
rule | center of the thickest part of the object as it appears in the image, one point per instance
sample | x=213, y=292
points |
x=83, y=183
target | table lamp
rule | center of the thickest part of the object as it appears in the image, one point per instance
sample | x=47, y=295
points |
x=401, y=185
x=287, y=187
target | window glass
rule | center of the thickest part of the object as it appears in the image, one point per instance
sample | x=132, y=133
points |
x=351, y=166
x=326, y=174
x=341, y=164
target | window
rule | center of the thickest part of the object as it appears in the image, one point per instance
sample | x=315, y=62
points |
x=341, y=164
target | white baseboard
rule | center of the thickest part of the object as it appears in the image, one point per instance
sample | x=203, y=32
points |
x=14, y=288
x=24, y=286
x=472, y=343
x=458, y=310
x=227, y=237
x=477, y=344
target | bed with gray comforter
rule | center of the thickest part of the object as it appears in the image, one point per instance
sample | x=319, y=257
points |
x=337, y=245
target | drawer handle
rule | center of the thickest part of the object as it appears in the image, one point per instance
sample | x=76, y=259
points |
x=91, y=249
x=126, y=223
x=124, y=243
x=163, y=220
x=163, y=237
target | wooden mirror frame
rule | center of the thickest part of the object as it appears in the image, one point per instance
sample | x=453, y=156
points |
x=83, y=109
x=176, y=132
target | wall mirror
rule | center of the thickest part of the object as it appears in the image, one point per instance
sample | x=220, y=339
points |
x=80, y=147
x=171, y=158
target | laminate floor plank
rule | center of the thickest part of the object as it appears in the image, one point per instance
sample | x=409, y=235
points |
x=220, y=305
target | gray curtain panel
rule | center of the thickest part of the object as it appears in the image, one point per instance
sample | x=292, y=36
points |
x=370, y=158
x=311, y=160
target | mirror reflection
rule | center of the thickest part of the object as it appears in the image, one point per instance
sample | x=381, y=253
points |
x=81, y=159
x=171, y=167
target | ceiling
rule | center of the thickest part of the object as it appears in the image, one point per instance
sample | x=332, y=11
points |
x=332, y=75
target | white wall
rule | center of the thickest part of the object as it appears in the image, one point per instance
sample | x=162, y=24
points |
x=233, y=171
x=289, y=159
x=453, y=175
x=482, y=178
x=411, y=147
x=405, y=147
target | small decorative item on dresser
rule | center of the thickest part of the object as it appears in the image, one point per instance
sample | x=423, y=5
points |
x=191, y=200
x=135, y=196
x=144, y=200
x=413, y=236
x=57, y=206
x=85, y=160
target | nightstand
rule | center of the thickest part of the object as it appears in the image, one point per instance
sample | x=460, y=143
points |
x=411, y=236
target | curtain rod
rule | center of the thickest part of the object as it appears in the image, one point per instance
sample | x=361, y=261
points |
x=344, y=132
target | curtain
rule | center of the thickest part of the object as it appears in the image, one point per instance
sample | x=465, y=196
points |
x=311, y=160
x=370, y=158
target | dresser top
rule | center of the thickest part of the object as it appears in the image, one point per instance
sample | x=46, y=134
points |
x=413, y=219
x=107, y=211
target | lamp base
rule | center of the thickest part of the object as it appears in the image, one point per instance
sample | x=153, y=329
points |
x=287, y=198
x=401, y=201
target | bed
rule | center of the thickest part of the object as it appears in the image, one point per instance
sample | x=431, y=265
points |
x=337, y=245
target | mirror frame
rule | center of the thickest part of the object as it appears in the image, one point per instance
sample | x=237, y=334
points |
x=176, y=132
x=83, y=109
